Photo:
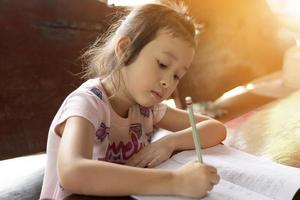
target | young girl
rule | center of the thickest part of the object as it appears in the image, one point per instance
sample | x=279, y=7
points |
x=99, y=142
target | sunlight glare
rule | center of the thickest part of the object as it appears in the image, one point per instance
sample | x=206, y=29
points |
x=288, y=12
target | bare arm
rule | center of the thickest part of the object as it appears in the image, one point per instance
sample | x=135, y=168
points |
x=211, y=131
x=80, y=174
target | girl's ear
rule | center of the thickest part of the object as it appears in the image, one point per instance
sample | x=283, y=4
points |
x=121, y=46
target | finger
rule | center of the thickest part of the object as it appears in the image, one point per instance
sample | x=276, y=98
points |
x=144, y=162
x=131, y=162
x=134, y=160
x=195, y=162
x=212, y=169
x=154, y=162
x=215, y=179
x=210, y=187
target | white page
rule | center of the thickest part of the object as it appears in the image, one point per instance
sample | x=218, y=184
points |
x=243, y=176
x=223, y=191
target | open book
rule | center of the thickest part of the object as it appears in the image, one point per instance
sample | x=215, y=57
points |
x=243, y=176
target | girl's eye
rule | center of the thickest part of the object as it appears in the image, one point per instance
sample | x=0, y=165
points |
x=176, y=77
x=161, y=65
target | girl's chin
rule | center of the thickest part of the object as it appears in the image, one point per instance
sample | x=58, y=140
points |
x=148, y=103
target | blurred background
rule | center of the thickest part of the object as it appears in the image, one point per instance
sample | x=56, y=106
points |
x=41, y=41
x=245, y=44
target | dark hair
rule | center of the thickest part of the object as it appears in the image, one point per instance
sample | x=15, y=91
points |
x=141, y=26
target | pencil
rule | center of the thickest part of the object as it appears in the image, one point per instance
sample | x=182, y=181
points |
x=189, y=104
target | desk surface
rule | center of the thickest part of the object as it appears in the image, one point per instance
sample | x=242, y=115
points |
x=253, y=95
x=241, y=104
x=272, y=131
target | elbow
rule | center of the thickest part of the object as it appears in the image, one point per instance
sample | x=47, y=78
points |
x=65, y=176
x=218, y=132
x=69, y=177
x=223, y=132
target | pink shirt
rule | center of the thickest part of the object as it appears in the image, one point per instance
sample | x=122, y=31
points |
x=116, y=138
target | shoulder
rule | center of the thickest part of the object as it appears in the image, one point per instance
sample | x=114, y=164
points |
x=88, y=101
x=93, y=88
x=90, y=93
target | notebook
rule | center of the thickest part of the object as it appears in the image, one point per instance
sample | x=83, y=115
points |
x=243, y=176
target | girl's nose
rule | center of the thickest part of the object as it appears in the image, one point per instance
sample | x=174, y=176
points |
x=164, y=83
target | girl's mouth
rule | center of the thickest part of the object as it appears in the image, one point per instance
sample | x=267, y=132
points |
x=156, y=94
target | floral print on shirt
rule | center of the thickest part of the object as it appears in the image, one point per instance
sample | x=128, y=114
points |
x=97, y=92
x=145, y=112
x=120, y=152
x=102, y=132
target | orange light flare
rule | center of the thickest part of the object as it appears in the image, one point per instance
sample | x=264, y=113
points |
x=288, y=12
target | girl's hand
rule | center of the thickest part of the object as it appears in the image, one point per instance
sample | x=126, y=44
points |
x=153, y=154
x=195, y=179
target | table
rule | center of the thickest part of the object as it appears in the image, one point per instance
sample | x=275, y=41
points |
x=252, y=95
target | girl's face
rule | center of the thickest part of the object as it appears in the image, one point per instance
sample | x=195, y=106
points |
x=156, y=71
